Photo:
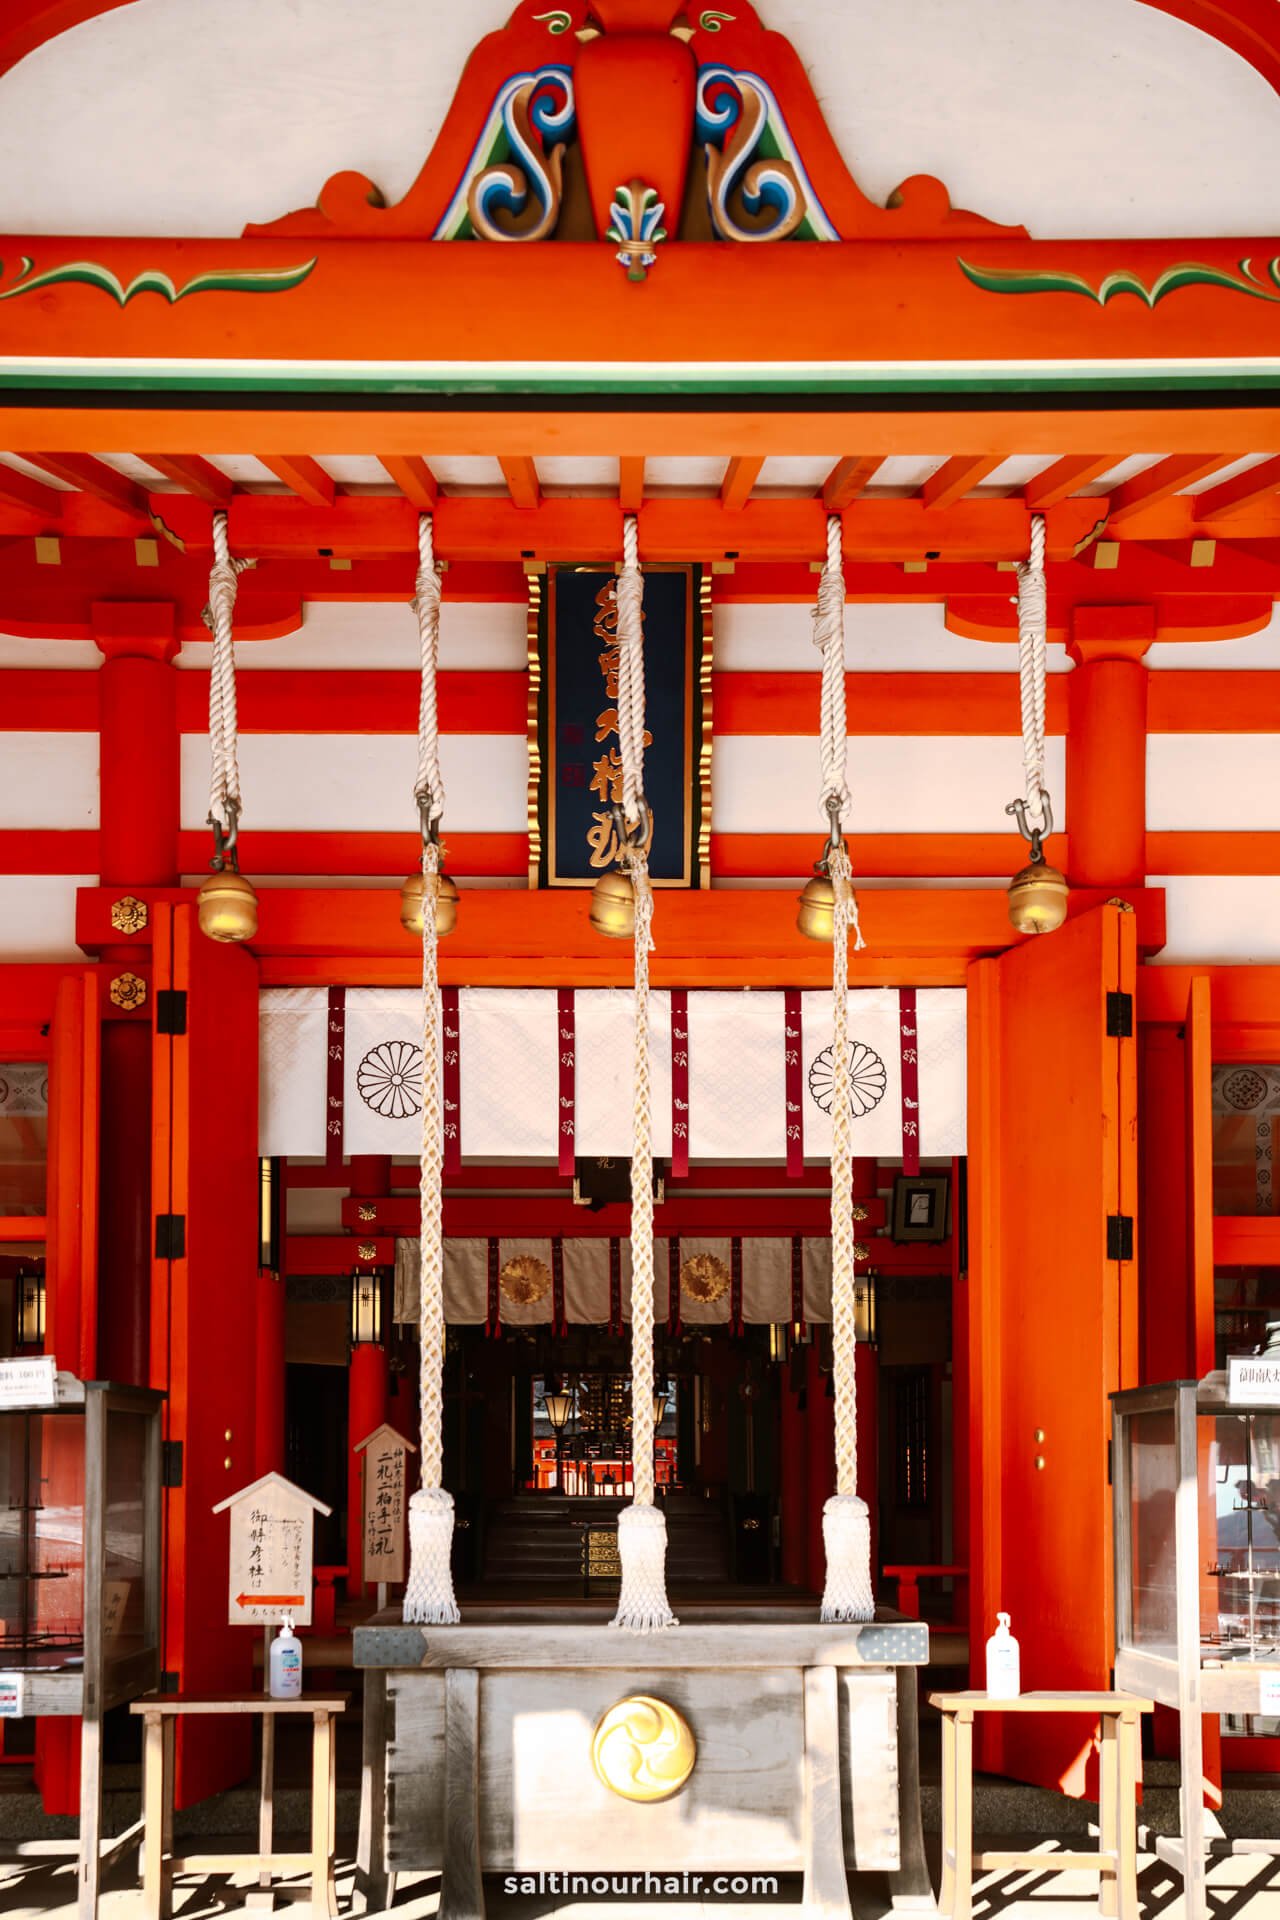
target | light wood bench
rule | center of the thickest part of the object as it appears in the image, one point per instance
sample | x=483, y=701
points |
x=1117, y=1856
x=160, y=1713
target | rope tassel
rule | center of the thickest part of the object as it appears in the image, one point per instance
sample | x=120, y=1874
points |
x=642, y=1527
x=429, y=1598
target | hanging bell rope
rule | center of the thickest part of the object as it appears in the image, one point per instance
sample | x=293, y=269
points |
x=816, y=917
x=846, y=1524
x=227, y=905
x=1038, y=894
x=429, y=1598
x=642, y=1527
x=428, y=786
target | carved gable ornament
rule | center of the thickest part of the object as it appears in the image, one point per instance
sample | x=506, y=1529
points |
x=640, y=123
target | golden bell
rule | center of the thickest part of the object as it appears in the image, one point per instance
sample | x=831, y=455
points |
x=817, y=916
x=446, y=905
x=227, y=907
x=1037, y=899
x=613, y=906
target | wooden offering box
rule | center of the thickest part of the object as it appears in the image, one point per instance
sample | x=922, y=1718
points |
x=481, y=1752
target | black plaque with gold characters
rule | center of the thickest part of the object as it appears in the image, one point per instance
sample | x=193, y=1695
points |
x=579, y=758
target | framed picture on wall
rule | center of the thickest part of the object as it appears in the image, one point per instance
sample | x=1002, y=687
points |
x=920, y=1206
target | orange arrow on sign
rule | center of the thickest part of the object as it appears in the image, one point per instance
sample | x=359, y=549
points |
x=269, y=1599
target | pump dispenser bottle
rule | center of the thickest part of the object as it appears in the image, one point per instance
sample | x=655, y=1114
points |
x=285, y=1664
x=1004, y=1662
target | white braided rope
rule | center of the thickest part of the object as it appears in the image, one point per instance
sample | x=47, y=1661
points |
x=1032, y=626
x=224, y=783
x=828, y=637
x=426, y=604
x=428, y=1596
x=642, y=1527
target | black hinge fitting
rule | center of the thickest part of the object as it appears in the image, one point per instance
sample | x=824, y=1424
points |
x=1120, y=1016
x=171, y=1236
x=171, y=1463
x=1119, y=1236
x=171, y=1010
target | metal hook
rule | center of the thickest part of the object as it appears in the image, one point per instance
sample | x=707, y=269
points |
x=430, y=826
x=225, y=858
x=634, y=839
x=835, y=834
x=1033, y=835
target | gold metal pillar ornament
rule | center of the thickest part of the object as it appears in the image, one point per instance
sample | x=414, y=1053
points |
x=226, y=905
x=816, y=918
x=643, y=1749
x=1038, y=892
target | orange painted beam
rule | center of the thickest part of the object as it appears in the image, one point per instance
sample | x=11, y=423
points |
x=956, y=477
x=878, y=703
x=877, y=856
x=1074, y=470
x=94, y=477
x=194, y=474
x=413, y=477
x=1167, y=477
x=847, y=479
x=27, y=1226
x=740, y=476
x=302, y=475
x=521, y=477
x=276, y=700
x=32, y=850
x=324, y=855
x=1257, y=483
x=631, y=482
x=32, y=496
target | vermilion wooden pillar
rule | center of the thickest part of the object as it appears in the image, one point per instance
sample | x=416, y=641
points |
x=368, y=1375
x=1107, y=745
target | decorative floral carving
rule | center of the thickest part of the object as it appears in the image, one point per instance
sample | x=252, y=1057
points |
x=128, y=915
x=90, y=273
x=756, y=182
x=389, y=1079
x=519, y=152
x=127, y=991
x=867, y=1079
x=525, y=1280
x=1188, y=273
x=704, y=1278
x=636, y=227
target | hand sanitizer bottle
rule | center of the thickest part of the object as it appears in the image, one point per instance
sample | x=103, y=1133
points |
x=1004, y=1662
x=286, y=1663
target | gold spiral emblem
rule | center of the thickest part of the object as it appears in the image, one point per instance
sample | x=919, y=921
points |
x=705, y=1278
x=643, y=1749
x=525, y=1280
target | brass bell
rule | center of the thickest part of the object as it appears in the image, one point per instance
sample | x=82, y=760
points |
x=817, y=916
x=227, y=906
x=613, y=906
x=1037, y=898
x=446, y=905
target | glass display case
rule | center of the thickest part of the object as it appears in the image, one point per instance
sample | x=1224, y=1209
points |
x=80, y=1481
x=1196, y=1503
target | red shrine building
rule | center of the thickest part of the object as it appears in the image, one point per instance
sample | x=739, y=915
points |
x=962, y=324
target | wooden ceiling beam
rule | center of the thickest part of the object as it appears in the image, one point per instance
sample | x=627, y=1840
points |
x=847, y=479
x=956, y=477
x=1242, y=491
x=195, y=475
x=521, y=477
x=303, y=476
x=82, y=471
x=20, y=490
x=631, y=482
x=1157, y=483
x=1063, y=478
x=413, y=477
x=740, y=476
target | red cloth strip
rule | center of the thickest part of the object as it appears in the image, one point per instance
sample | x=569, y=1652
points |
x=797, y=1284
x=559, y=1324
x=793, y=1058
x=679, y=1083
x=335, y=1059
x=451, y=1078
x=615, y=1286
x=566, y=1055
x=910, y=1080
x=673, y=1284
x=493, y=1314
x=735, y=1287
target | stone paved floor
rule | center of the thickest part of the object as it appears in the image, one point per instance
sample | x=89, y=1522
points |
x=37, y=1883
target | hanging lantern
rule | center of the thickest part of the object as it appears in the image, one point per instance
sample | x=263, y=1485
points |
x=227, y=906
x=368, y=1304
x=29, y=1305
x=1037, y=898
x=446, y=904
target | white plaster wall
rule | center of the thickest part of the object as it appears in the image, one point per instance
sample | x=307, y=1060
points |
x=380, y=635
x=1216, y=920
x=1102, y=117
x=1213, y=782
x=38, y=915
x=48, y=780
x=883, y=638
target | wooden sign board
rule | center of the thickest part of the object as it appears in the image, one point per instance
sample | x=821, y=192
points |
x=601, y=1559
x=1253, y=1380
x=29, y=1383
x=383, y=1478
x=272, y=1524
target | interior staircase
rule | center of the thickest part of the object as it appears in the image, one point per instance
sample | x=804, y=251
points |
x=539, y=1538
